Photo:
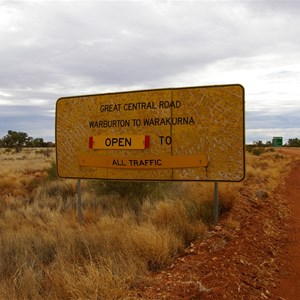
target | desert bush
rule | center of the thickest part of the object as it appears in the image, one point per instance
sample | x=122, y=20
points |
x=7, y=185
x=33, y=183
x=131, y=194
x=45, y=152
x=51, y=251
x=10, y=185
x=56, y=195
x=23, y=248
x=279, y=156
x=132, y=189
x=202, y=207
x=267, y=170
x=258, y=151
x=227, y=196
x=90, y=281
x=52, y=171
x=176, y=218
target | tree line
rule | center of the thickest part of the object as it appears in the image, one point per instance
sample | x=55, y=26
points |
x=18, y=140
x=290, y=143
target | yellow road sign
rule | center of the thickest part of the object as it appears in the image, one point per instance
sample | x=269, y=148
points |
x=191, y=133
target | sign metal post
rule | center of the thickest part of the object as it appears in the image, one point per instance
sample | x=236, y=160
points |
x=79, y=203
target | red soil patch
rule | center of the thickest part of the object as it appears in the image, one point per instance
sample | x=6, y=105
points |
x=289, y=286
x=252, y=254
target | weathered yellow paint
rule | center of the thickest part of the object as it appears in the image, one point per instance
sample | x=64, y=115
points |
x=181, y=122
x=160, y=162
x=121, y=142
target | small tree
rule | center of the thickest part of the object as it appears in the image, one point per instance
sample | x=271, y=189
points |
x=15, y=139
x=294, y=142
x=258, y=143
x=38, y=142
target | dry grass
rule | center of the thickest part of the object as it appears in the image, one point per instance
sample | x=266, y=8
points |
x=46, y=254
x=267, y=170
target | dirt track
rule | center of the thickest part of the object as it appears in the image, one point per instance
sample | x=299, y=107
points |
x=252, y=254
x=289, y=287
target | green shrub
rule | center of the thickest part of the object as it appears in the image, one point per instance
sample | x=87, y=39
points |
x=203, y=210
x=131, y=189
x=249, y=148
x=258, y=151
x=46, y=152
x=279, y=156
x=52, y=172
x=56, y=195
x=131, y=193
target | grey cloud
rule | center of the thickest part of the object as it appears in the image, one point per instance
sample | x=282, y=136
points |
x=263, y=125
x=35, y=121
x=135, y=46
x=288, y=119
x=134, y=43
x=267, y=7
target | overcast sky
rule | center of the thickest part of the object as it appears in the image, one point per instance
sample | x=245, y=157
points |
x=50, y=49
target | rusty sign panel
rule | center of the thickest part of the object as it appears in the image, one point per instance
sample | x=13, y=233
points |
x=194, y=133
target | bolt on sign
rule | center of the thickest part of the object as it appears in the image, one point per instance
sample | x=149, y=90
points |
x=184, y=134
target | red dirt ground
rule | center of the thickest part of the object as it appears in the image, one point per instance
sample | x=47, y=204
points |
x=289, y=284
x=254, y=252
